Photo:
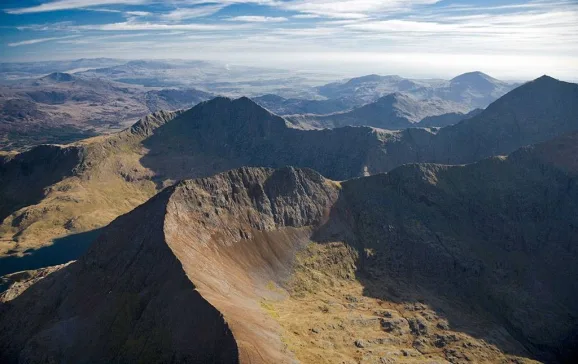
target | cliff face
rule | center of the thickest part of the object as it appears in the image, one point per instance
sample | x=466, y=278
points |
x=457, y=263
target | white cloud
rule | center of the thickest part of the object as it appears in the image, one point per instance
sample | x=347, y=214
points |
x=134, y=26
x=196, y=12
x=326, y=8
x=138, y=13
x=72, y=4
x=39, y=40
x=258, y=19
x=509, y=31
x=306, y=16
x=355, y=9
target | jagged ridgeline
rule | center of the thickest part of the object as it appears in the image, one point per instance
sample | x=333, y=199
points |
x=256, y=265
x=426, y=262
x=52, y=191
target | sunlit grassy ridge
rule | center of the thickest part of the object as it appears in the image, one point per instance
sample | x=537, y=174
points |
x=109, y=181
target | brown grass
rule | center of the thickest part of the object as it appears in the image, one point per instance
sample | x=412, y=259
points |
x=327, y=319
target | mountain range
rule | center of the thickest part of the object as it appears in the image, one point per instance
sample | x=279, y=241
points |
x=394, y=111
x=226, y=234
x=223, y=134
x=430, y=262
x=62, y=107
x=282, y=106
x=473, y=89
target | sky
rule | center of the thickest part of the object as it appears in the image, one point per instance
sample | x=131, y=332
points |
x=418, y=38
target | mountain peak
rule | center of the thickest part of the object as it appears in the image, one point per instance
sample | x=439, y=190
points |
x=363, y=79
x=223, y=102
x=393, y=97
x=545, y=79
x=59, y=77
x=471, y=77
x=544, y=85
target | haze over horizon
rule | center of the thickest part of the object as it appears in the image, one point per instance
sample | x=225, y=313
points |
x=414, y=38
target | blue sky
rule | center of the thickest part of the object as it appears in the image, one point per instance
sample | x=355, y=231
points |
x=510, y=39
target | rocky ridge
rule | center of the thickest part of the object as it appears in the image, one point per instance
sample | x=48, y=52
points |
x=111, y=175
x=416, y=241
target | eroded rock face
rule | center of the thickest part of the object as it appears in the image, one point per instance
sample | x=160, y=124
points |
x=188, y=276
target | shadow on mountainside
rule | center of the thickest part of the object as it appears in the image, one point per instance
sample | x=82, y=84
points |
x=493, y=253
x=24, y=177
x=224, y=134
x=127, y=300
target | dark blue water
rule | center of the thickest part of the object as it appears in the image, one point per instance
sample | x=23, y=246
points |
x=62, y=251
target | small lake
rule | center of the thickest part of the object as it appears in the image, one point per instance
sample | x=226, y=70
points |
x=63, y=250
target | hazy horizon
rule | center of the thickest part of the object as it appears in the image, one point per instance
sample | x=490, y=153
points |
x=511, y=40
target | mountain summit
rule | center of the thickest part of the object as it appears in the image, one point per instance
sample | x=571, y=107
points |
x=474, y=78
x=59, y=77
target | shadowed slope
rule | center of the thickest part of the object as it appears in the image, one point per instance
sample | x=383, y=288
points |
x=51, y=191
x=231, y=234
x=223, y=134
x=127, y=300
x=24, y=176
x=498, y=235
x=533, y=113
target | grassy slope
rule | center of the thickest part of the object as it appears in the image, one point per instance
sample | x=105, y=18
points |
x=326, y=318
x=110, y=181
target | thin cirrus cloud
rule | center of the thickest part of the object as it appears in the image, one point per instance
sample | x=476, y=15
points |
x=258, y=19
x=71, y=4
x=40, y=40
x=546, y=29
x=139, y=26
x=329, y=8
x=195, y=12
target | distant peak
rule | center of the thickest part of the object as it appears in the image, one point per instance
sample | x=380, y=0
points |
x=393, y=96
x=222, y=102
x=362, y=79
x=473, y=76
x=59, y=77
